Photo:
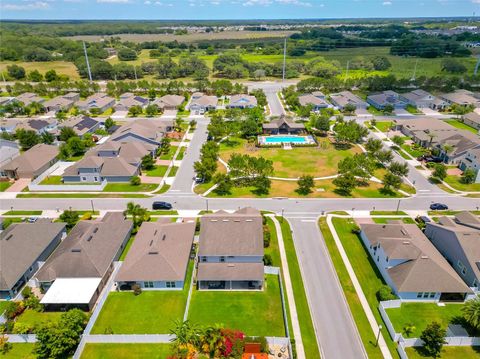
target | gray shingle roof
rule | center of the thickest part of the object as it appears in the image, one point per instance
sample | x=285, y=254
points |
x=230, y=271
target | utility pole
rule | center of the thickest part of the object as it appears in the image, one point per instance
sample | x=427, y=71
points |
x=284, y=59
x=86, y=60
x=414, y=71
x=346, y=72
x=135, y=72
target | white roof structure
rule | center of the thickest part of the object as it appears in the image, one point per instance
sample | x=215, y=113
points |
x=71, y=291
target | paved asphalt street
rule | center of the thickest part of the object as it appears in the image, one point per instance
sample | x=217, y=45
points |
x=335, y=329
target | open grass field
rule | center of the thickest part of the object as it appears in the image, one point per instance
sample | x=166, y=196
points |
x=125, y=351
x=447, y=353
x=359, y=316
x=151, y=312
x=369, y=277
x=4, y=185
x=62, y=67
x=20, y=351
x=316, y=161
x=384, y=126
x=256, y=313
x=461, y=125
x=420, y=315
x=189, y=38
x=303, y=311
x=454, y=181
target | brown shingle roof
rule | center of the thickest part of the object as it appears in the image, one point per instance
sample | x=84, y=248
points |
x=160, y=252
x=88, y=250
x=33, y=159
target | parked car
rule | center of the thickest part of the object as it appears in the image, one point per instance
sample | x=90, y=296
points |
x=433, y=159
x=438, y=206
x=161, y=205
x=423, y=219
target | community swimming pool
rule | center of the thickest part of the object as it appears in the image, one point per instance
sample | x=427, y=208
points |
x=281, y=139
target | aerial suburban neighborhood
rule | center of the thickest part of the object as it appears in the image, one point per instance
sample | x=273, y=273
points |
x=207, y=188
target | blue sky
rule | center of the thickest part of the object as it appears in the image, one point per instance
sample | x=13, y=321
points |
x=232, y=9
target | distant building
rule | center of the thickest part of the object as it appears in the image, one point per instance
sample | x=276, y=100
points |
x=472, y=119
x=8, y=151
x=383, y=99
x=128, y=100
x=282, y=126
x=461, y=97
x=159, y=256
x=62, y=103
x=242, y=101
x=202, y=103
x=143, y=130
x=472, y=161
x=343, y=98
x=81, y=124
x=29, y=97
x=169, y=102
x=231, y=250
x=316, y=99
x=99, y=101
x=423, y=99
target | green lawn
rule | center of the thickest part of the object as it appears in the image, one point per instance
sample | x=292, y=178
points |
x=454, y=181
x=4, y=185
x=126, y=351
x=20, y=351
x=127, y=248
x=447, y=353
x=368, y=276
x=169, y=154
x=164, y=189
x=387, y=213
x=180, y=155
x=359, y=316
x=303, y=311
x=151, y=312
x=317, y=161
x=127, y=187
x=52, y=180
x=32, y=318
x=273, y=250
x=173, y=171
x=80, y=195
x=459, y=124
x=420, y=315
x=158, y=171
x=256, y=313
x=407, y=220
x=415, y=150
x=23, y=213
x=3, y=305
x=384, y=126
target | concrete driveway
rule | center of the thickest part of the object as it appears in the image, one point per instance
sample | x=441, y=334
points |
x=401, y=112
x=18, y=185
x=429, y=112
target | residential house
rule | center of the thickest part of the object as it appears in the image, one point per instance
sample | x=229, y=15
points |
x=458, y=240
x=472, y=161
x=461, y=97
x=99, y=102
x=472, y=119
x=423, y=99
x=94, y=169
x=159, y=256
x=5, y=100
x=231, y=250
x=202, y=103
x=31, y=163
x=169, y=102
x=8, y=151
x=77, y=271
x=343, y=98
x=455, y=148
x=39, y=125
x=62, y=102
x=385, y=98
x=316, y=99
x=29, y=97
x=131, y=152
x=410, y=264
x=128, y=100
x=242, y=101
x=143, y=130
x=9, y=125
x=282, y=126
x=23, y=246
x=81, y=124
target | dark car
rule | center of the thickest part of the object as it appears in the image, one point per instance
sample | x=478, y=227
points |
x=423, y=219
x=438, y=206
x=161, y=205
x=433, y=159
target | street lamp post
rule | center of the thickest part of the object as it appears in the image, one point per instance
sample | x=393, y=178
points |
x=282, y=214
x=378, y=335
x=93, y=208
x=207, y=204
x=398, y=205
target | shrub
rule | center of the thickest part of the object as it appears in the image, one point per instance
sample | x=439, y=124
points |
x=266, y=237
x=135, y=181
x=22, y=328
x=137, y=290
x=13, y=309
x=26, y=292
x=86, y=216
x=356, y=229
x=267, y=259
x=385, y=293
x=33, y=303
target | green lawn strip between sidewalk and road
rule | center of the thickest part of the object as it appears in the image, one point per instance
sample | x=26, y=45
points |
x=126, y=351
x=23, y=213
x=81, y=195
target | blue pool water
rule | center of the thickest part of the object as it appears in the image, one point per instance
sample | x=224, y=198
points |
x=282, y=139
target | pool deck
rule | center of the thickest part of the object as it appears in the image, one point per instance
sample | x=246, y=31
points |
x=283, y=139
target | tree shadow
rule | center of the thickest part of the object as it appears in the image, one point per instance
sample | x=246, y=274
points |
x=387, y=192
x=341, y=146
x=342, y=192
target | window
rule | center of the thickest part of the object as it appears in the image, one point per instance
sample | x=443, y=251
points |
x=204, y=259
x=148, y=284
x=96, y=179
x=222, y=259
x=171, y=284
x=425, y=295
x=84, y=178
x=432, y=295
x=419, y=294
x=462, y=267
x=475, y=283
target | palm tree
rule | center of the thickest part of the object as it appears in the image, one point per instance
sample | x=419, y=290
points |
x=186, y=339
x=137, y=212
x=471, y=312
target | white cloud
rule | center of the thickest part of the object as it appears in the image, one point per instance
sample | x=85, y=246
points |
x=147, y=2
x=114, y=1
x=294, y=2
x=386, y=3
x=36, y=5
x=257, y=2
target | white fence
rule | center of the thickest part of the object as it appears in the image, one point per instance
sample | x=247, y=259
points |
x=416, y=342
x=36, y=186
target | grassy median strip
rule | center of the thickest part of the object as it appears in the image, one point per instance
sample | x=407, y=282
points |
x=81, y=195
x=303, y=311
x=366, y=271
x=23, y=213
